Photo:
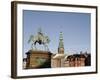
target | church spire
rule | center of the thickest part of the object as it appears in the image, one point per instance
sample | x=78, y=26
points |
x=61, y=44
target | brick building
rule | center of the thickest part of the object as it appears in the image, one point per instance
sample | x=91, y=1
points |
x=75, y=60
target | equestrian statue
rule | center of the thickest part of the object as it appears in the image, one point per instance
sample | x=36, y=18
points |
x=39, y=38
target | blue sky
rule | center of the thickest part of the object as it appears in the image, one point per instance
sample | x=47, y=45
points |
x=75, y=28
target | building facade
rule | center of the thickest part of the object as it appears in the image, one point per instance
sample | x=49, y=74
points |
x=75, y=60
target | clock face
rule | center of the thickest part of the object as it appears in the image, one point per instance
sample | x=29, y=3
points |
x=61, y=50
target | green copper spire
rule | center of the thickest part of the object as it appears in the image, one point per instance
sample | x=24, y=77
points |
x=61, y=45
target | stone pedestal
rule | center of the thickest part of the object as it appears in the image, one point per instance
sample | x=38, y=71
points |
x=38, y=59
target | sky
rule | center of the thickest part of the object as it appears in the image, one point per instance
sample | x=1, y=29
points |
x=74, y=26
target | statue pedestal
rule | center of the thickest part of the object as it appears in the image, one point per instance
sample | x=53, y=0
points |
x=38, y=59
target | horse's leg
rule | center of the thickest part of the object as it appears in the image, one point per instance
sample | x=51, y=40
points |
x=46, y=47
x=32, y=46
x=35, y=46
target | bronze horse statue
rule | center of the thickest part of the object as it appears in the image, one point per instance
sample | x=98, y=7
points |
x=39, y=38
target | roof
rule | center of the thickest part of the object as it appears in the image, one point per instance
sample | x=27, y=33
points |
x=75, y=56
x=57, y=56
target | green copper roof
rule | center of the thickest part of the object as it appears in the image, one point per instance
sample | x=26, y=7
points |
x=61, y=45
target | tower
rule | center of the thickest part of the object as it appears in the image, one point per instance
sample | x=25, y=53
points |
x=58, y=59
x=61, y=44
